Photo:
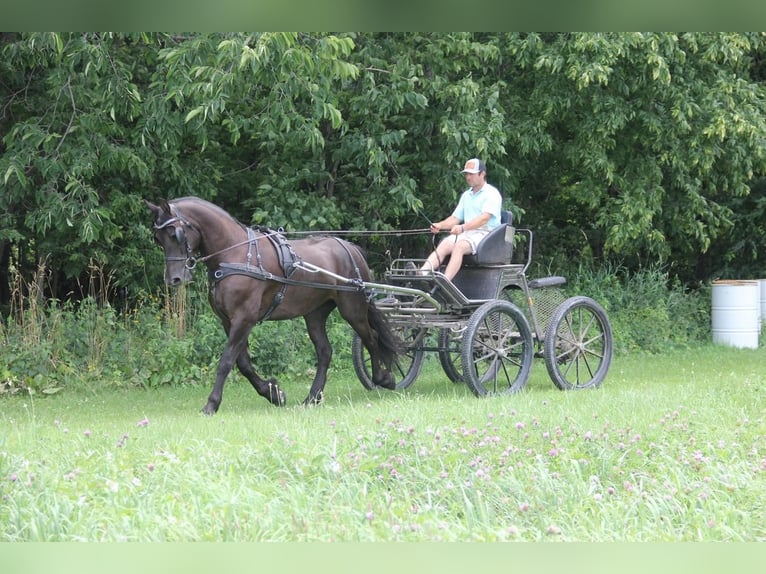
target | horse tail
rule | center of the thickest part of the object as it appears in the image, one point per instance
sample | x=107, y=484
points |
x=388, y=343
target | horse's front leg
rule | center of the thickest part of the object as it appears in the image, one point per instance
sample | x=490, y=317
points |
x=268, y=389
x=237, y=341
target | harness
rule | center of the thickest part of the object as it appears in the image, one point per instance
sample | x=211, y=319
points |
x=287, y=260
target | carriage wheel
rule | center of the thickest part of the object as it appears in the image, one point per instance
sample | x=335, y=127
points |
x=497, y=349
x=406, y=367
x=450, y=344
x=578, y=344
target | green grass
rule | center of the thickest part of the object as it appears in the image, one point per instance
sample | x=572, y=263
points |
x=671, y=448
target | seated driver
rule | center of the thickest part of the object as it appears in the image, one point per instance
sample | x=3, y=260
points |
x=477, y=213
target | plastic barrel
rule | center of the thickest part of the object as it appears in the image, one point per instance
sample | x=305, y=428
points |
x=762, y=284
x=736, y=313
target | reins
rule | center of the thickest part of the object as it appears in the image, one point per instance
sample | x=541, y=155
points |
x=392, y=232
x=191, y=260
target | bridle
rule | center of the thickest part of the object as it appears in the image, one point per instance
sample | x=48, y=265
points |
x=190, y=260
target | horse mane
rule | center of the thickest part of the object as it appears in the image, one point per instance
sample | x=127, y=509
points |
x=207, y=205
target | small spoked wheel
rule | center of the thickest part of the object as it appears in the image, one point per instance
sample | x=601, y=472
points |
x=578, y=344
x=497, y=351
x=450, y=357
x=405, y=369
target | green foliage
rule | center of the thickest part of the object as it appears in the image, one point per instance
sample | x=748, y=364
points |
x=647, y=143
x=646, y=132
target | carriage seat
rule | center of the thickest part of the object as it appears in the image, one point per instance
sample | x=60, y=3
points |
x=496, y=248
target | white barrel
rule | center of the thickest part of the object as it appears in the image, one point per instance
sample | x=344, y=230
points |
x=762, y=284
x=736, y=313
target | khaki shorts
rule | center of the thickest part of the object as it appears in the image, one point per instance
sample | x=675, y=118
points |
x=472, y=236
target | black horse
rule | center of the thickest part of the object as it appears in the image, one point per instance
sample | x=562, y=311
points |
x=256, y=275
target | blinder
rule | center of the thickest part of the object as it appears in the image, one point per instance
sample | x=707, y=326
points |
x=178, y=224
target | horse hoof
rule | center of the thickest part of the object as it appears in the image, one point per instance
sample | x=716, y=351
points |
x=313, y=401
x=209, y=409
x=276, y=396
x=387, y=382
x=280, y=399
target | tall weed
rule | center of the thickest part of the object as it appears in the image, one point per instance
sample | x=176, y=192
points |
x=174, y=338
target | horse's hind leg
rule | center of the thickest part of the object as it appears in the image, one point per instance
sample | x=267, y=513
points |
x=267, y=389
x=376, y=335
x=316, y=323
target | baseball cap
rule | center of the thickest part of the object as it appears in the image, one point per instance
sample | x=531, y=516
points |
x=474, y=165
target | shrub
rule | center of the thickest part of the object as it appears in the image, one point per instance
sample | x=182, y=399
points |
x=648, y=310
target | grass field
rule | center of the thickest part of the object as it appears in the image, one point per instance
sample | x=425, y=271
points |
x=671, y=448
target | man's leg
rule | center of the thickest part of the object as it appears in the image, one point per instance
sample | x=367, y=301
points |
x=436, y=257
x=456, y=258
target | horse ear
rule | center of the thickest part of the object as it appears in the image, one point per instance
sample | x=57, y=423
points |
x=162, y=208
x=155, y=209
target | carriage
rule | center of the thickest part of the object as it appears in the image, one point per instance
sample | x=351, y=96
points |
x=487, y=325
x=490, y=322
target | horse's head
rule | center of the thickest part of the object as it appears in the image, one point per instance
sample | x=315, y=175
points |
x=178, y=239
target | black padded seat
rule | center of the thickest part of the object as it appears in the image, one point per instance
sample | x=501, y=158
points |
x=496, y=248
x=479, y=276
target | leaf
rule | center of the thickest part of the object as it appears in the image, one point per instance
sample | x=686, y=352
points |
x=192, y=114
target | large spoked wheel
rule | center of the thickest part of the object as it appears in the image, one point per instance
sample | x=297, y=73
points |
x=497, y=351
x=578, y=344
x=450, y=356
x=406, y=367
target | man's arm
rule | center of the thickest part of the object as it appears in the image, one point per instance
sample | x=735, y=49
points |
x=477, y=222
x=447, y=224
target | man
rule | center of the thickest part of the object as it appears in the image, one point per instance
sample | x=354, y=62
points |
x=477, y=213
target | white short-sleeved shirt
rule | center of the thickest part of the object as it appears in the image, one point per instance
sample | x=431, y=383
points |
x=487, y=199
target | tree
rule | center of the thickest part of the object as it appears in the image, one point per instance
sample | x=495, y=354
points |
x=649, y=140
x=638, y=146
x=70, y=104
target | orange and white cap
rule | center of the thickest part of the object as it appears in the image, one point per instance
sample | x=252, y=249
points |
x=474, y=165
